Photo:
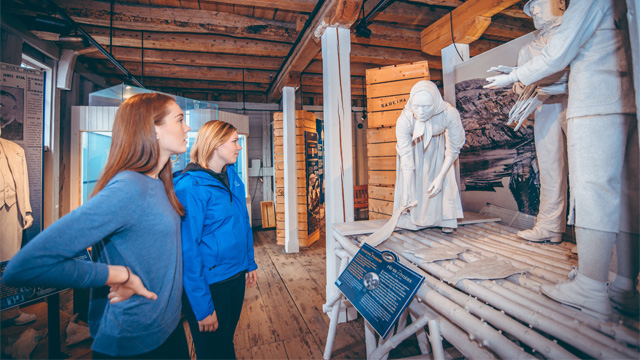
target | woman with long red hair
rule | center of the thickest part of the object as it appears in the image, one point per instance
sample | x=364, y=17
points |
x=132, y=223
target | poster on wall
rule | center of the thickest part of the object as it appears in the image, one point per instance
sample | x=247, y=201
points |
x=497, y=163
x=314, y=185
x=320, y=131
x=22, y=122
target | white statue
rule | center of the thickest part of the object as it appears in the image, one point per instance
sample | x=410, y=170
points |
x=549, y=126
x=430, y=135
x=602, y=142
x=429, y=138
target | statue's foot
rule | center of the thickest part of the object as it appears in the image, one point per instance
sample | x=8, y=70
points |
x=588, y=295
x=624, y=296
x=540, y=235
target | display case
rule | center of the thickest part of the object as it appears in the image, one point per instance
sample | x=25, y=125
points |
x=91, y=135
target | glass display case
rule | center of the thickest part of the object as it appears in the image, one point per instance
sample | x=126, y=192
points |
x=93, y=125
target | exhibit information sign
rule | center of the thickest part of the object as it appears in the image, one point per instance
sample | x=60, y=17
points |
x=11, y=296
x=379, y=286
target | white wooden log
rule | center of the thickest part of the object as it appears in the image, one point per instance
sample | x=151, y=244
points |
x=423, y=343
x=512, y=252
x=471, y=349
x=436, y=340
x=552, y=310
x=539, y=270
x=497, y=286
x=370, y=338
x=561, y=331
x=615, y=330
x=536, y=341
x=395, y=340
x=402, y=320
x=335, y=311
x=512, y=242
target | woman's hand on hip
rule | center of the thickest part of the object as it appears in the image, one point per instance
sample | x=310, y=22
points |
x=123, y=290
x=209, y=324
x=252, y=278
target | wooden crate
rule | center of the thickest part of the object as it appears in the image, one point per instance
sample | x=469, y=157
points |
x=388, y=90
x=305, y=121
x=268, y=212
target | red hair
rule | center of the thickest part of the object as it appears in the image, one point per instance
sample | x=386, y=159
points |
x=134, y=145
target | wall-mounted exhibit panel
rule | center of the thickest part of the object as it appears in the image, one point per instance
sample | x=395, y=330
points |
x=309, y=174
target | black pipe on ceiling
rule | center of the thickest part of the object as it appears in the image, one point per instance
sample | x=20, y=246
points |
x=92, y=41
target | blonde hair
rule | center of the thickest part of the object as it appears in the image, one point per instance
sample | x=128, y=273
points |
x=210, y=136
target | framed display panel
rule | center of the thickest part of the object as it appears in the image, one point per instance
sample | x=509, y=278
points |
x=308, y=228
x=497, y=164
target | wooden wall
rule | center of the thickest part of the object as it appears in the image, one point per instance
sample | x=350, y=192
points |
x=388, y=90
x=305, y=121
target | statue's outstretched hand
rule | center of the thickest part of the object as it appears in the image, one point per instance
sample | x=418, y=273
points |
x=499, y=81
x=501, y=68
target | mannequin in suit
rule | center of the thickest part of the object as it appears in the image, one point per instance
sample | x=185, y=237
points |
x=15, y=210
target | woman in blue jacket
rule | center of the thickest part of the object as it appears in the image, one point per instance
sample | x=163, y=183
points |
x=217, y=243
x=132, y=223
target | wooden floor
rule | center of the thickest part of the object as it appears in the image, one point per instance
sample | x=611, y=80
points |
x=282, y=317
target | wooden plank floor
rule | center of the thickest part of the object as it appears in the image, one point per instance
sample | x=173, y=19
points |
x=282, y=316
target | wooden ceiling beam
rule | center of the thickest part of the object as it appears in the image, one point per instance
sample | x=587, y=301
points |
x=405, y=13
x=512, y=11
x=469, y=20
x=105, y=68
x=167, y=83
x=168, y=19
x=340, y=13
x=390, y=56
x=291, y=5
x=191, y=58
x=182, y=42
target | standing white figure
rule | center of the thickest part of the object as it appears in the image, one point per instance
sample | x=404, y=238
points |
x=549, y=126
x=430, y=135
x=602, y=142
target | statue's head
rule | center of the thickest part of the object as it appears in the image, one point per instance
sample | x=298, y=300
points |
x=545, y=13
x=425, y=100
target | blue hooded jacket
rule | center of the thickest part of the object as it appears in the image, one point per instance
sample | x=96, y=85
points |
x=217, y=241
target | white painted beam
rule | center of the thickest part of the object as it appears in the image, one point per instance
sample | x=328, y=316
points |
x=338, y=158
x=291, y=241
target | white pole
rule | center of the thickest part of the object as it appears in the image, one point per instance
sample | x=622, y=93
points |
x=338, y=159
x=291, y=243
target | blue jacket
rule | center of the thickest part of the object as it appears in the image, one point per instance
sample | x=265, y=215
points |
x=217, y=241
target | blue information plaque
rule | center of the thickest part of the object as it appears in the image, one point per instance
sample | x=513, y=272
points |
x=12, y=297
x=379, y=286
